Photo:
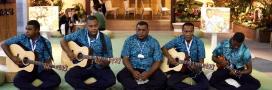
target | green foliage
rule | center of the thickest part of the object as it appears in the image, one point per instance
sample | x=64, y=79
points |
x=187, y=10
x=39, y=3
x=58, y=3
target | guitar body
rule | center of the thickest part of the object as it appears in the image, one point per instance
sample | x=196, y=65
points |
x=165, y=66
x=183, y=60
x=76, y=49
x=17, y=50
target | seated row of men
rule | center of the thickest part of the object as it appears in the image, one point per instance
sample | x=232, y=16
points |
x=142, y=57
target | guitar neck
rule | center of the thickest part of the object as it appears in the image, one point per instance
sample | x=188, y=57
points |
x=97, y=57
x=206, y=66
x=59, y=67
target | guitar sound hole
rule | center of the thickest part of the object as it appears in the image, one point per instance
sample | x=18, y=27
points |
x=171, y=65
x=80, y=56
x=25, y=61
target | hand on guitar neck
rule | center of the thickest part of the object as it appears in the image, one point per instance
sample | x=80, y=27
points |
x=101, y=62
x=47, y=65
x=224, y=64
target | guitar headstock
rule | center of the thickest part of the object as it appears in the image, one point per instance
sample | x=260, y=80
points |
x=209, y=66
x=116, y=60
x=61, y=67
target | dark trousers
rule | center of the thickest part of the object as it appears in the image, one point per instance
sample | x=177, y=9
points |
x=156, y=81
x=247, y=82
x=77, y=75
x=174, y=82
x=50, y=80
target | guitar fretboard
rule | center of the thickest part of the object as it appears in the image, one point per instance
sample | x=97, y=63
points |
x=59, y=67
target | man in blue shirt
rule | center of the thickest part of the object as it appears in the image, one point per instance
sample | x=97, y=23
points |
x=100, y=45
x=33, y=41
x=142, y=58
x=194, y=50
x=233, y=59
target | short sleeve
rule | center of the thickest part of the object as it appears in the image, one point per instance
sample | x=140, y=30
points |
x=157, y=56
x=247, y=56
x=126, y=49
x=73, y=36
x=171, y=44
x=13, y=40
x=218, y=50
x=109, y=46
x=201, y=49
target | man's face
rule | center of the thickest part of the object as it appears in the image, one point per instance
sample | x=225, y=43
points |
x=31, y=31
x=92, y=26
x=235, y=44
x=188, y=32
x=142, y=31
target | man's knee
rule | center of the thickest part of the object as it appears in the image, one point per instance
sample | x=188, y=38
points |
x=257, y=84
x=110, y=82
x=171, y=84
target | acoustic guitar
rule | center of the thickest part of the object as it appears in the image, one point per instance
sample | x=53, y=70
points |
x=82, y=54
x=28, y=60
x=179, y=56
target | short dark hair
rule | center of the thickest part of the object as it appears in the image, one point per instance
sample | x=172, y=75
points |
x=92, y=18
x=35, y=23
x=239, y=37
x=187, y=24
x=142, y=23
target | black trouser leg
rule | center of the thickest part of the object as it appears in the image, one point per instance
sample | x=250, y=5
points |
x=105, y=78
x=248, y=82
x=175, y=81
x=218, y=80
x=77, y=75
x=50, y=80
x=127, y=80
x=157, y=81
x=23, y=80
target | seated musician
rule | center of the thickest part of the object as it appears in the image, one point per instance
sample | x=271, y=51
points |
x=99, y=45
x=233, y=59
x=33, y=41
x=194, y=50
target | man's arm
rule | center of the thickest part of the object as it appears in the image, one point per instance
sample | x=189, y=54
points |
x=65, y=48
x=15, y=59
x=169, y=57
x=155, y=66
x=136, y=74
x=248, y=68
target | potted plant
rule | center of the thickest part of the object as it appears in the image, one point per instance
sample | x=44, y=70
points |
x=265, y=25
x=187, y=10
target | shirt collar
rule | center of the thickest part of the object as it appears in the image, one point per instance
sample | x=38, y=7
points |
x=145, y=39
x=97, y=35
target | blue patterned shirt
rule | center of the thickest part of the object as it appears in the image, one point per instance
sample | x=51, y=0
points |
x=80, y=37
x=197, y=49
x=238, y=57
x=43, y=47
x=149, y=48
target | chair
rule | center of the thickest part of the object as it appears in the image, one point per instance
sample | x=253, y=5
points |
x=128, y=9
x=110, y=8
x=146, y=9
x=162, y=10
